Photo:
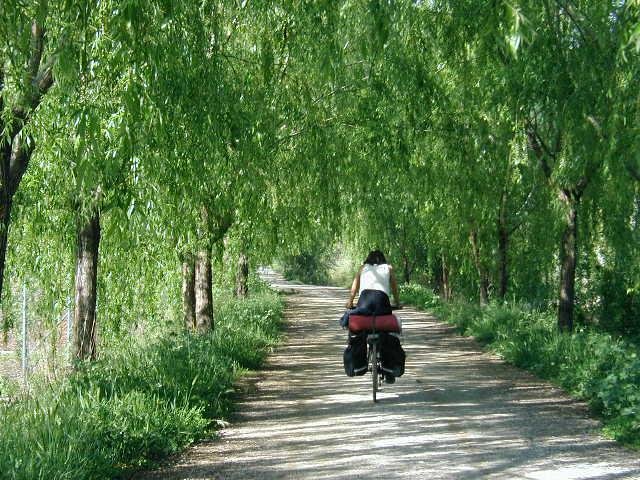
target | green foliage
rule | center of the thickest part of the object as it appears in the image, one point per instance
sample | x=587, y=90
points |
x=344, y=267
x=619, y=309
x=419, y=295
x=312, y=264
x=146, y=398
x=9, y=388
x=306, y=268
x=412, y=127
x=405, y=127
x=597, y=367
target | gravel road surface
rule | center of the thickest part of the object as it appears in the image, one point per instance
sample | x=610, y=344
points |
x=457, y=413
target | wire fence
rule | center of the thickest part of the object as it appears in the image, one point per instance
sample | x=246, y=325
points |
x=36, y=345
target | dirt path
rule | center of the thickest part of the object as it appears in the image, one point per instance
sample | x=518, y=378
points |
x=457, y=413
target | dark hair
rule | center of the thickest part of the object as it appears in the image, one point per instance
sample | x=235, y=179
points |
x=375, y=257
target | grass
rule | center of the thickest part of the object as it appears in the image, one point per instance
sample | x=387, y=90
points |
x=144, y=400
x=593, y=366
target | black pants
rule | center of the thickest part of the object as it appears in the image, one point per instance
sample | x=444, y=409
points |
x=373, y=302
x=370, y=302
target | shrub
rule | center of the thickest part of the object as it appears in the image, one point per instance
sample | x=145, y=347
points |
x=145, y=399
x=307, y=267
x=419, y=295
x=594, y=366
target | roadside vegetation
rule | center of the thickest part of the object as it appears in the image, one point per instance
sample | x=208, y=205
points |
x=147, y=397
x=600, y=368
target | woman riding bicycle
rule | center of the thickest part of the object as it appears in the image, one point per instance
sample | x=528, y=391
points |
x=374, y=282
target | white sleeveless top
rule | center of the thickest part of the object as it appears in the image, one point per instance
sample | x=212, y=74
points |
x=375, y=277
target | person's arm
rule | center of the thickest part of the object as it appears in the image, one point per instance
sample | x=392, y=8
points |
x=394, y=286
x=355, y=287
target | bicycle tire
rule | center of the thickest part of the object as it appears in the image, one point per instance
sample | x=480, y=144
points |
x=374, y=369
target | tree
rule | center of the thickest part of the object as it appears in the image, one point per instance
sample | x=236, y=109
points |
x=26, y=75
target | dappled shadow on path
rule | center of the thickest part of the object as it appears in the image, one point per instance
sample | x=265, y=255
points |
x=456, y=413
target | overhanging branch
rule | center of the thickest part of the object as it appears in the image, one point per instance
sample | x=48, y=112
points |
x=540, y=149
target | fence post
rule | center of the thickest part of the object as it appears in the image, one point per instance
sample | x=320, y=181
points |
x=69, y=330
x=69, y=322
x=25, y=346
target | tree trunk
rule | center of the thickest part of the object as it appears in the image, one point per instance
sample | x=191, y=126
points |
x=569, y=245
x=482, y=272
x=211, y=232
x=568, y=260
x=503, y=267
x=203, y=291
x=446, y=286
x=17, y=147
x=407, y=269
x=5, y=221
x=15, y=159
x=242, y=277
x=84, y=319
x=436, y=277
x=503, y=247
x=188, y=291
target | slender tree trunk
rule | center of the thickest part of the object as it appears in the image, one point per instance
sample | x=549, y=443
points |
x=211, y=232
x=436, y=279
x=188, y=291
x=482, y=272
x=203, y=291
x=5, y=221
x=569, y=245
x=407, y=269
x=503, y=247
x=446, y=286
x=242, y=277
x=568, y=260
x=84, y=319
x=436, y=276
x=503, y=267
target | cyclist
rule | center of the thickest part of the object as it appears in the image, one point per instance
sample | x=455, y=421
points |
x=374, y=283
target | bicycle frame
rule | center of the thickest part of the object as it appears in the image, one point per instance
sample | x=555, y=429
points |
x=374, y=364
x=373, y=358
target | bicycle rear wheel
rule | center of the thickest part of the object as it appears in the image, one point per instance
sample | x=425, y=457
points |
x=374, y=369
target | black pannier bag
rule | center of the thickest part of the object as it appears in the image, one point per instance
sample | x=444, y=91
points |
x=355, y=355
x=392, y=355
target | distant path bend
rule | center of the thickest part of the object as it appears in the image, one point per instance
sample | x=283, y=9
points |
x=457, y=413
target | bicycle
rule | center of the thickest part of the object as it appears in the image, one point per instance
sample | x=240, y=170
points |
x=374, y=324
